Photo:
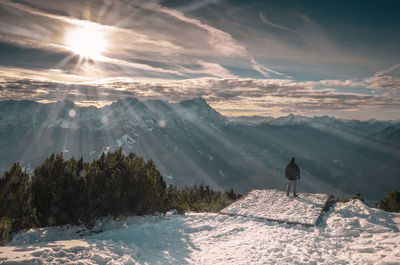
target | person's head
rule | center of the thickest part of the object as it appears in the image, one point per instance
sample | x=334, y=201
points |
x=292, y=160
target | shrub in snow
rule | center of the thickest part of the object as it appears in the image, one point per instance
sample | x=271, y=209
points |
x=391, y=202
x=355, y=197
x=199, y=199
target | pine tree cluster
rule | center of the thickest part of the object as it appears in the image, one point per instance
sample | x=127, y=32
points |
x=391, y=202
x=76, y=192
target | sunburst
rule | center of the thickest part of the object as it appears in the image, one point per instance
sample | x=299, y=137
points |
x=87, y=42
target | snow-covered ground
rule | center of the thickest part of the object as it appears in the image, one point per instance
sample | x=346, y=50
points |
x=349, y=233
x=274, y=205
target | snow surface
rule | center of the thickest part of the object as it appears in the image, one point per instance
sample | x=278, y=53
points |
x=349, y=233
x=274, y=205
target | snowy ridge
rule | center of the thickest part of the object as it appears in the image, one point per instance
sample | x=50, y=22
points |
x=324, y=123
x=274, y=205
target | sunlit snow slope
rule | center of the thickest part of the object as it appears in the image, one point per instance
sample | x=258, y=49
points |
x=349, y=233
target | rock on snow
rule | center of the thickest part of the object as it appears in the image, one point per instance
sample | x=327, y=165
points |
x=274, y=205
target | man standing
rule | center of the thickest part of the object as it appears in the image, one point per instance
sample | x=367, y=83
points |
x=292, y=173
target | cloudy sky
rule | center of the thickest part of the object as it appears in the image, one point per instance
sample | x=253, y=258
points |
x=269, y=58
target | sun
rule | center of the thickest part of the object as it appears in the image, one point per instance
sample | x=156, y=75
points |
x=88, y=42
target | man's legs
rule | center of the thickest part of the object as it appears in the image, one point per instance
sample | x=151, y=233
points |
x=288, y=188
x=291, y=183
x=294, y=189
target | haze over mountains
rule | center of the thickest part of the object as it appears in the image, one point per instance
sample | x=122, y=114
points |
x=192, y=143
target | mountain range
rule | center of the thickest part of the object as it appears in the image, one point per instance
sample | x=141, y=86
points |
x=191, y=143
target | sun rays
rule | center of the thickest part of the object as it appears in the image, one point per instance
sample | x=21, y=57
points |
x=87, y=42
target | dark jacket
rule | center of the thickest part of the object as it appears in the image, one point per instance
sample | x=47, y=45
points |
x=292, y=171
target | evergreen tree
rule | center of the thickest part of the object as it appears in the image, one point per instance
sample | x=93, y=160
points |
x=15, y=203
x=391, y=202
x=59, y=191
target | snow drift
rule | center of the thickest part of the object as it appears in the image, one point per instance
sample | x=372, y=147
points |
x=349, y=233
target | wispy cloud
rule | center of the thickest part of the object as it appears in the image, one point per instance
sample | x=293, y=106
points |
x=265, y=71
x=268, y=22
x=386, y=84
x=390, y=70
x=386, y=81
x=341, y=83
x=211, y=69
x=300, y=44
x=218, y=39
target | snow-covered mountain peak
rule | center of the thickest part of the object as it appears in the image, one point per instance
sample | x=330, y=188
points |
x=67, y=104
x=197, y=101
x=291, y=119
x=199, y=109
x=125, y=101
x=250, y=120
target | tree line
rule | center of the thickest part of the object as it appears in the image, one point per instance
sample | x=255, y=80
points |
x=76, y=192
